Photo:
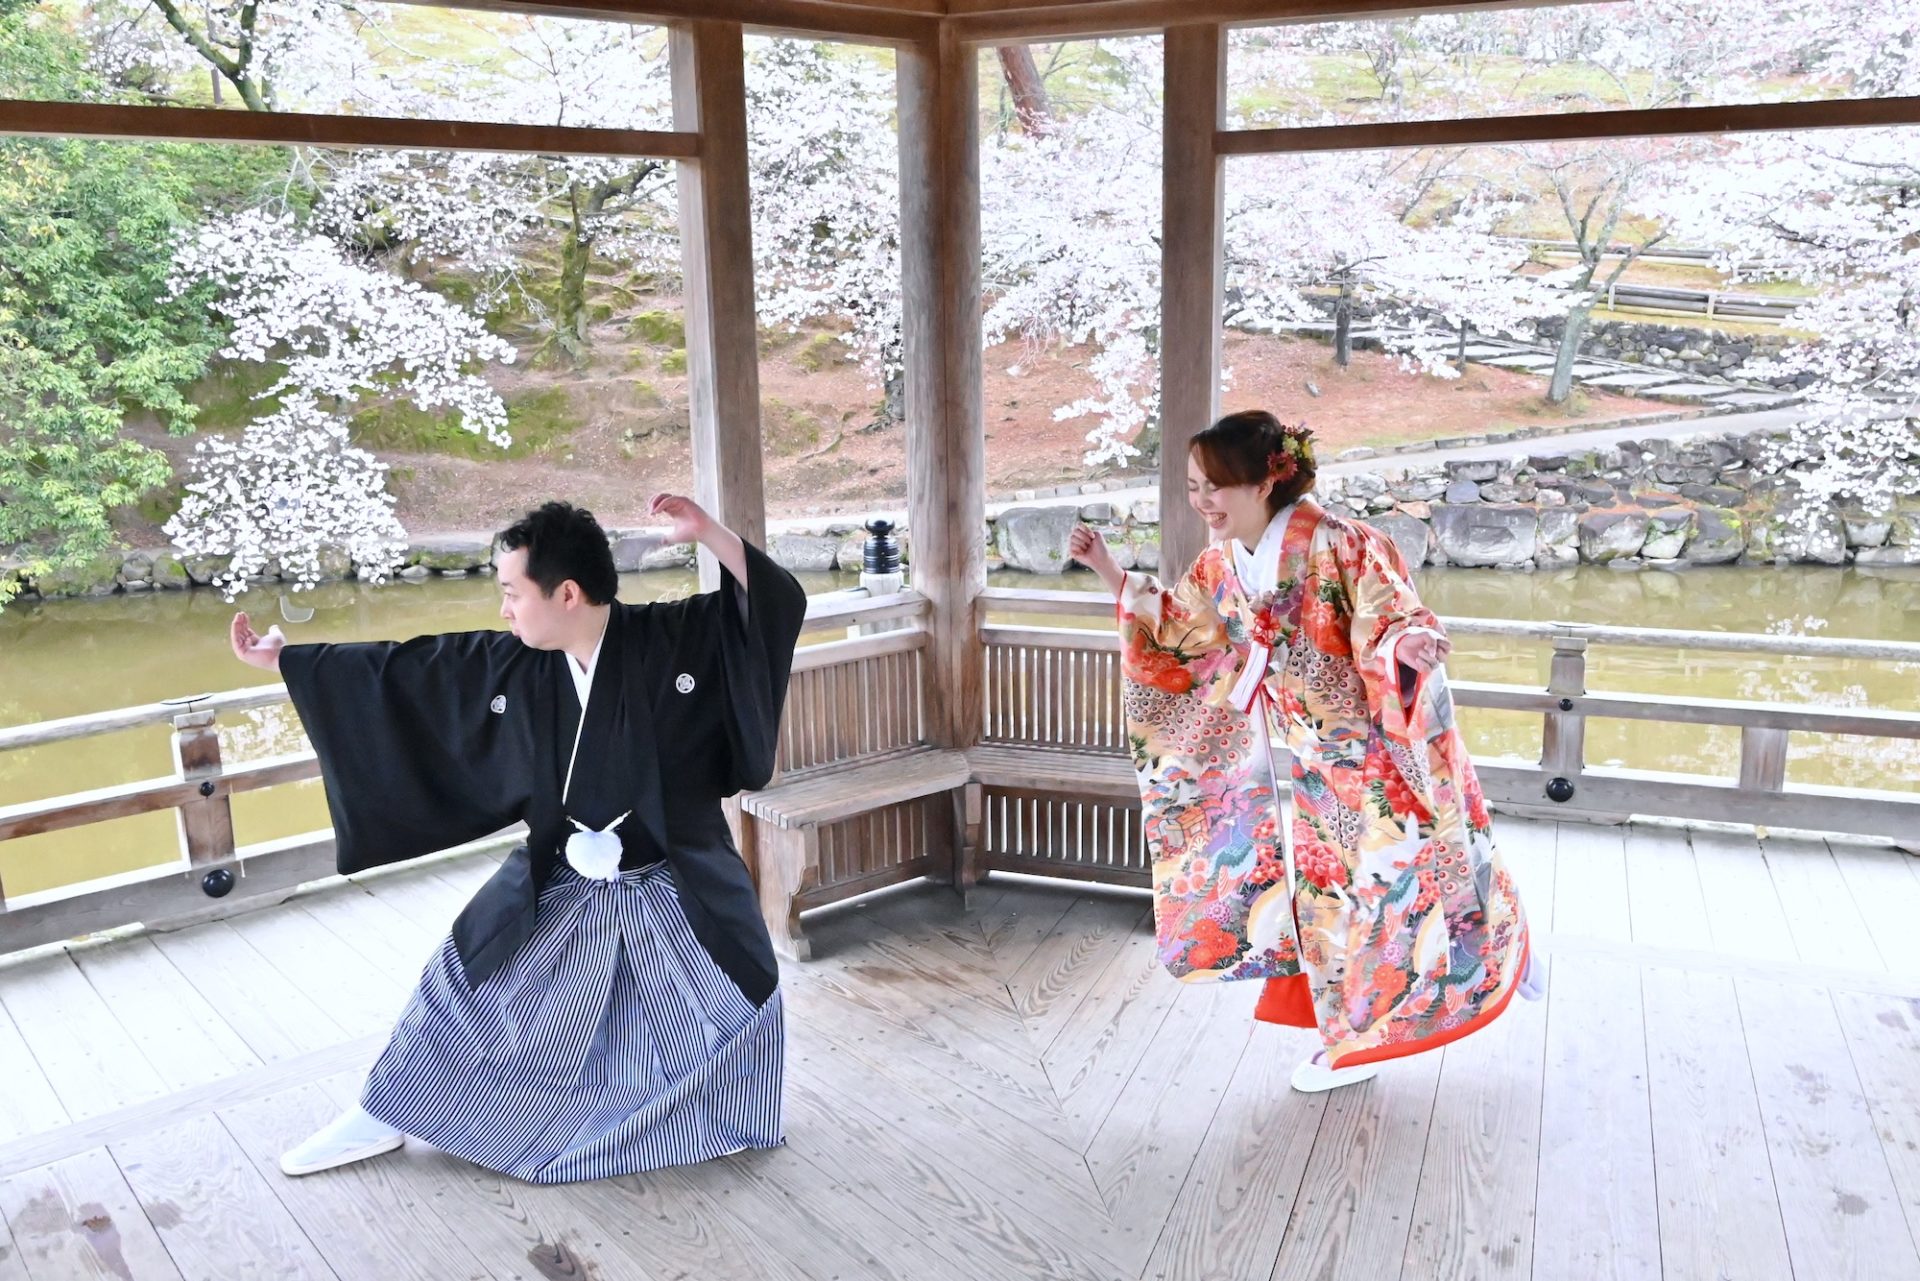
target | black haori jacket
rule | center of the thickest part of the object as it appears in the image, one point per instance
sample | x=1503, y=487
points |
x=433, y=742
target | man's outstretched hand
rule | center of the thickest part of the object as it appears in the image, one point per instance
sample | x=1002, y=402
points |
x=255, y=650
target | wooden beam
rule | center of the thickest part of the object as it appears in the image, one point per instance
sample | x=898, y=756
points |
x=171, y=894
x=89, y=724
x=716, y=254
x=206, y=825
x=1616, y=795
x=123, y=800
x=1576, y=126
x=946, y=428
x=1192, y=273
x=829, y=611
x=858, y=21
x=291, y=128
x=1019, y=21
x=1679, y=709
x=811, y=658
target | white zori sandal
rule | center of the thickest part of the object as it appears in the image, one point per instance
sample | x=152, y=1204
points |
x=353, y=1136
x=1315, y=1077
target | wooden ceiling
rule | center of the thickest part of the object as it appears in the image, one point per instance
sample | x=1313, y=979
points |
x=984, y=21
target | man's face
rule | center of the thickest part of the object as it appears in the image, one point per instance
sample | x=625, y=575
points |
x=537, y=619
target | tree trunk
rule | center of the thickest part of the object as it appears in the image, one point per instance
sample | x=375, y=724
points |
x=1343, y=326
x=570, y=320
x=893, y=400
x=1030, y=105
x=1569, y=354
x=1460, y=352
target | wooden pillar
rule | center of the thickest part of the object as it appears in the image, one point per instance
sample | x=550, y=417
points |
x=716, y=255
x=205, y=824
x=1192, y=273
x=1563, y=736
x=946, y=431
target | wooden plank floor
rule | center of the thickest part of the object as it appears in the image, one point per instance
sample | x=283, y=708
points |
x=1721, y=1084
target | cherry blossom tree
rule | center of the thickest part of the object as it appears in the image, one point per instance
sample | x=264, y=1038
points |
x=289, y=55
x=1071, y=226
x=318, y=55
x=824, y=162
x=1362, y=225
x=291, y=496
x=292, y=486
x=1841, y=209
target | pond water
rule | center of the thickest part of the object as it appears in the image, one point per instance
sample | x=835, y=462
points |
x=66, y=658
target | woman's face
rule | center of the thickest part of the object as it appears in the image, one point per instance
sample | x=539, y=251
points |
x=1231, y=511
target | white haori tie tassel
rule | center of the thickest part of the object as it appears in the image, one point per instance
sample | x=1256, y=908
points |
x=595, y=855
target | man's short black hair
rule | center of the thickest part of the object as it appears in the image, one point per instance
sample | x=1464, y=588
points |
x=562, y=542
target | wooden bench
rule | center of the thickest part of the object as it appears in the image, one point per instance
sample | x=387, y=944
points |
x=789, y=817
x=1058, y=778
x=863, y=801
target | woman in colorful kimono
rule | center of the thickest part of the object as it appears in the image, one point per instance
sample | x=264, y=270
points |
x=1386, y=920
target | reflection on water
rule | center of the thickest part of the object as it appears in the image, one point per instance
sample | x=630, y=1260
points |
x=71, y=657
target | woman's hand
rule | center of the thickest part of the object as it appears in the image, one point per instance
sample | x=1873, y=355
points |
x=1091, y=550
x=691, y=524
x=1422, y=651
x=255, y=650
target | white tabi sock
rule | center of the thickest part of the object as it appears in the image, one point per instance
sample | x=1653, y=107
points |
x=352, y=1136
x=1533, y=980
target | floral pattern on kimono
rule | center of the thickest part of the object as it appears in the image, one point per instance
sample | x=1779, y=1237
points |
x=1401, y=915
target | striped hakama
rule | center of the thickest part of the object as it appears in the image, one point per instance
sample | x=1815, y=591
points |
x=610, y=1044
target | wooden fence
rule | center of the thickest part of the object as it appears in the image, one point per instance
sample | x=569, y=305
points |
x=854, y=696
x=1051, y=697
x=1059, y=686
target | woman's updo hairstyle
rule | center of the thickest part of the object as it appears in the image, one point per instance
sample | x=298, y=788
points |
x=1251, y=446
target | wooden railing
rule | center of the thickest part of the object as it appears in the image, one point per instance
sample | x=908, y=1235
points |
x=1037, y=694
x=853, y=700
x=859, y=697
x=849, y=698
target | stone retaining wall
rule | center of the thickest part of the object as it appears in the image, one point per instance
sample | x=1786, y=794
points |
x=1708, y=500
x=1712, y=499
x=1707, y=353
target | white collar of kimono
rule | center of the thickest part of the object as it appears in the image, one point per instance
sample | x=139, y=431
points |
x=582, y=685
x=583, y=678
x=1259, y=569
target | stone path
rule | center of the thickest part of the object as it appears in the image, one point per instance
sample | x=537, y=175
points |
x=1680, y=386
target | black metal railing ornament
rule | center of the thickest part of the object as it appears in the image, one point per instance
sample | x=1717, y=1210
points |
x=881, y=554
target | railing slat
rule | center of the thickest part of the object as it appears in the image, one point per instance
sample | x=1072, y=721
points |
x=1763, y=758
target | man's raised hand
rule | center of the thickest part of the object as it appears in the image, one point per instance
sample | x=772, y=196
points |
x=691, y=524
x=255, y=650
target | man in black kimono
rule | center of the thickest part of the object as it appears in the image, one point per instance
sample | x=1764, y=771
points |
x=608, y=1001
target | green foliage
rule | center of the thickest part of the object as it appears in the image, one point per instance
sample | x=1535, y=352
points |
x=38, y=60
x=823, y=351
x=660, y=328
x=87, y=334
x=230, y=395
x=537, y=420
x=89, y=331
